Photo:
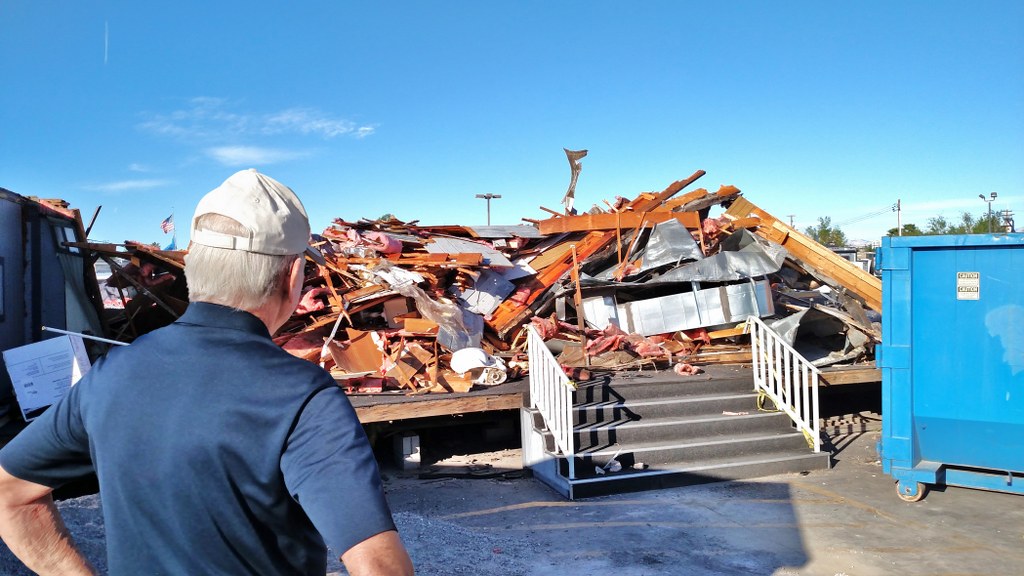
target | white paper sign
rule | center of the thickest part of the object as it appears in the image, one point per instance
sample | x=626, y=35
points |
x=968, y=285
x=43, y=372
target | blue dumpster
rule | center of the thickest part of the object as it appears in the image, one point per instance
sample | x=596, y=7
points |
x=952, y=361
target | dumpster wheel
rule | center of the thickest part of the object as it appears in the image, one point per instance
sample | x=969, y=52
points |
x=908, y=494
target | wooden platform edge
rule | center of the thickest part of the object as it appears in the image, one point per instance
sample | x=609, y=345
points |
x=441, y=406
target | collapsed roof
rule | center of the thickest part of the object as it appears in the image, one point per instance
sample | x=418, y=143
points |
x=658, y=280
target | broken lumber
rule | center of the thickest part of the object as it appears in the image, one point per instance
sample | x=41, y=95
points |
x=818, y=259
x=512, y=312
x=616, y=220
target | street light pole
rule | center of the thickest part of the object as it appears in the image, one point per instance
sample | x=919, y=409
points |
x=989, y=201
x=488, y=197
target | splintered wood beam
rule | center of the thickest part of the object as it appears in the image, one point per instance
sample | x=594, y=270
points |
x=817, y=259
x=615, y=221
x=753, y=222
x=550, y=256
x=686, y=198
x=550, y=211
x=437, y=259
x=656, y=200
x=725, y=193
x=513, y=311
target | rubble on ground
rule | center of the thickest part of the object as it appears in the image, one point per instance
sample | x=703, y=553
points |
x=660, y=281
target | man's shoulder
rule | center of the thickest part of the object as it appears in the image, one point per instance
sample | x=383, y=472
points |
x=298, y=367
x=181, y=351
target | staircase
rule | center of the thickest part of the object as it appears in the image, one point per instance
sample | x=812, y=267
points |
x=648, y=430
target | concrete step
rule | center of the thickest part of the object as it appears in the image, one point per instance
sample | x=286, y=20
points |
x=599, y=436
x=689, y=473
x=694, y=450
x=658, y=385
x=632, y=410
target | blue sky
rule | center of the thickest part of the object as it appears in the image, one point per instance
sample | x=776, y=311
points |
x=412, y=108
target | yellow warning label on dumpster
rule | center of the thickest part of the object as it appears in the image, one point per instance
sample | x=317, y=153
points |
x=968, y=285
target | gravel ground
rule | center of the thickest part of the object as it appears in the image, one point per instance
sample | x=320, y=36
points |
x=438, y=538
x=437, y=546
x=463, y=516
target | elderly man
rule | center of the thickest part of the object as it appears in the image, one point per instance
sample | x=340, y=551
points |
x=216, y=451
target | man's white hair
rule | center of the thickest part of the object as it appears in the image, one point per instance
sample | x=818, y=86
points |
x=234, y=278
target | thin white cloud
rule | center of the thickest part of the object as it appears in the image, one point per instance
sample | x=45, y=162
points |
x=967, y=204
x=203, y=119
x=208, y=118
x=127, y=185
x=136, y=167
x=251, y=155
x=940, y=205
x=306, y=121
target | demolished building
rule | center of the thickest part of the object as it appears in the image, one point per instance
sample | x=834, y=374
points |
x=664, y=280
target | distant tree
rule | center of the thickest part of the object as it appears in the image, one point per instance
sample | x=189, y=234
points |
x=909, y=229
x=968, y=224
x=937, y=225
x=982, y=226
x=825, y=233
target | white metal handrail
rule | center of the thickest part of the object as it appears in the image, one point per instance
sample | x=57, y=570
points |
x=782, y=374
x=551, y=394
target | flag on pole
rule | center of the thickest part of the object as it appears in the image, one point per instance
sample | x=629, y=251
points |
x=168, y=224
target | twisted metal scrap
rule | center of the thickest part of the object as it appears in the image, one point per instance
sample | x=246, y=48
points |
x=574, y=157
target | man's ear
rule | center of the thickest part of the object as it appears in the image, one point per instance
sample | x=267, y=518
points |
x=298, y=270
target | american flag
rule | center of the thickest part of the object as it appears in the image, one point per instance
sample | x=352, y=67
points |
x=168, y=224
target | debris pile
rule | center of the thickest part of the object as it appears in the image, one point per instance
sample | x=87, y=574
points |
x=144, y=289
x=657, y=281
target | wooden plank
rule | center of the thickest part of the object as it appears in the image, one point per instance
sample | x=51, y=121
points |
x=817, y=258
x=744, y=223
x=552, y=255
x=725, y=192
x=727, y=332
x=434, y=259
x=686, y=198
x=616, y=220
x=850, y=375
x=646, y=204
x=724, y=357
x=419, y=326
x=442, y=406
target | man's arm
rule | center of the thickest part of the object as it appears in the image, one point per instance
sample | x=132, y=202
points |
x=380, y=555
x=34, y=531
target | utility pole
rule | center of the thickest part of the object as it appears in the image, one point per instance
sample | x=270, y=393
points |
x=899, y=220
x=1008, y=224
x=790, y=219
x=488, y=197
x=989, y=201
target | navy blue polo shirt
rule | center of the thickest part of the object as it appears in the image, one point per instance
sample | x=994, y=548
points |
x=216, y=452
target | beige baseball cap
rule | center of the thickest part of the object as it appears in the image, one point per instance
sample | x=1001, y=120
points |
x=275, y=217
